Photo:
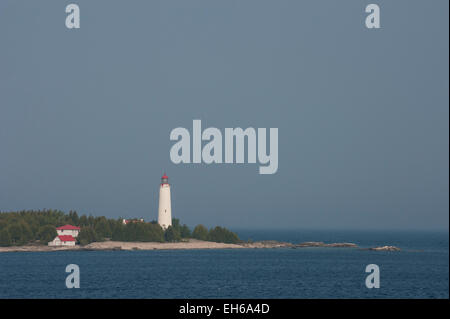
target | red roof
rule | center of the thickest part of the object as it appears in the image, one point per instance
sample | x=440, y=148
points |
x=165, y=176
x=66, y=238
x=68, y=227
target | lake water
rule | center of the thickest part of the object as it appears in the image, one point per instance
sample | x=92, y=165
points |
x=420, y=270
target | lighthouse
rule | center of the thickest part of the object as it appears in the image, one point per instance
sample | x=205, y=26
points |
x=164, y=210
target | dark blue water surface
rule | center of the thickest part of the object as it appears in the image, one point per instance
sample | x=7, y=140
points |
x=420, y=270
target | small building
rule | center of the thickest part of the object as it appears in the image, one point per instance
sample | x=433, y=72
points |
x=68, y=230
x=66, y=236
x=134, y=220
x=63, y=240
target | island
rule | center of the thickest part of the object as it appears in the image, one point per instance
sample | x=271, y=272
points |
x=50, y=230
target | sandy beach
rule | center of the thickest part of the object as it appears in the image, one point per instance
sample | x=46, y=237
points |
x=119, y=245
x=190, y=244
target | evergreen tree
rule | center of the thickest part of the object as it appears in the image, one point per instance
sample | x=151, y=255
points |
x=200, y=232
x=102, y=228
x=15, y=232
x=83, y=220
x=172, y=234
x=87, y=235
x=185, y=232
x=23, y=227
x=222, y=235
x=47, y=233
x=5, y=237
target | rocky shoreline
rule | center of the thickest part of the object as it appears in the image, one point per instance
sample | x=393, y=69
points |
x=189, y=244
x=277, y=244
x=383, y=248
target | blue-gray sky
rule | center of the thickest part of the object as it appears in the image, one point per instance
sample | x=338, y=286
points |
x=85, y=115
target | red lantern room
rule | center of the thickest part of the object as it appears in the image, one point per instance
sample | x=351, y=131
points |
x=164, y=179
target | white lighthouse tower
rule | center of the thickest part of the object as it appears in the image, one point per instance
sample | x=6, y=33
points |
x=164, y=210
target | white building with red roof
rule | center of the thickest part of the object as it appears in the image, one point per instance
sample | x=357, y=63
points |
x=134, y=220
x=63, y=240
x=68, y=230
x=66, y=236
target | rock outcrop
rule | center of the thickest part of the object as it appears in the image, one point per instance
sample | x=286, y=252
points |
x=268, y=244
x=322, y=244
x=384, y=248
x=277, y=244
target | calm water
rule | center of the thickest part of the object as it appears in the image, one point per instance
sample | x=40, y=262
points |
x=420, y=270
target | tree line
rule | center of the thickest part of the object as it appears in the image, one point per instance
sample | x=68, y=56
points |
x=39, y=227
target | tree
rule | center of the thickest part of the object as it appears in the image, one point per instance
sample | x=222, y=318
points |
x=172, y=234
x=26, y=232
x=175, y=222
x=83, y=221
x=87, y=235
x=75, y=220
x=47, y=233
x=5, y=238
x=138, y=231
x=185, y=232
x=91, y=220
x=102, y=228
x=118, y=231
x=223, y=235
x=15, y=232
x=200, y=232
